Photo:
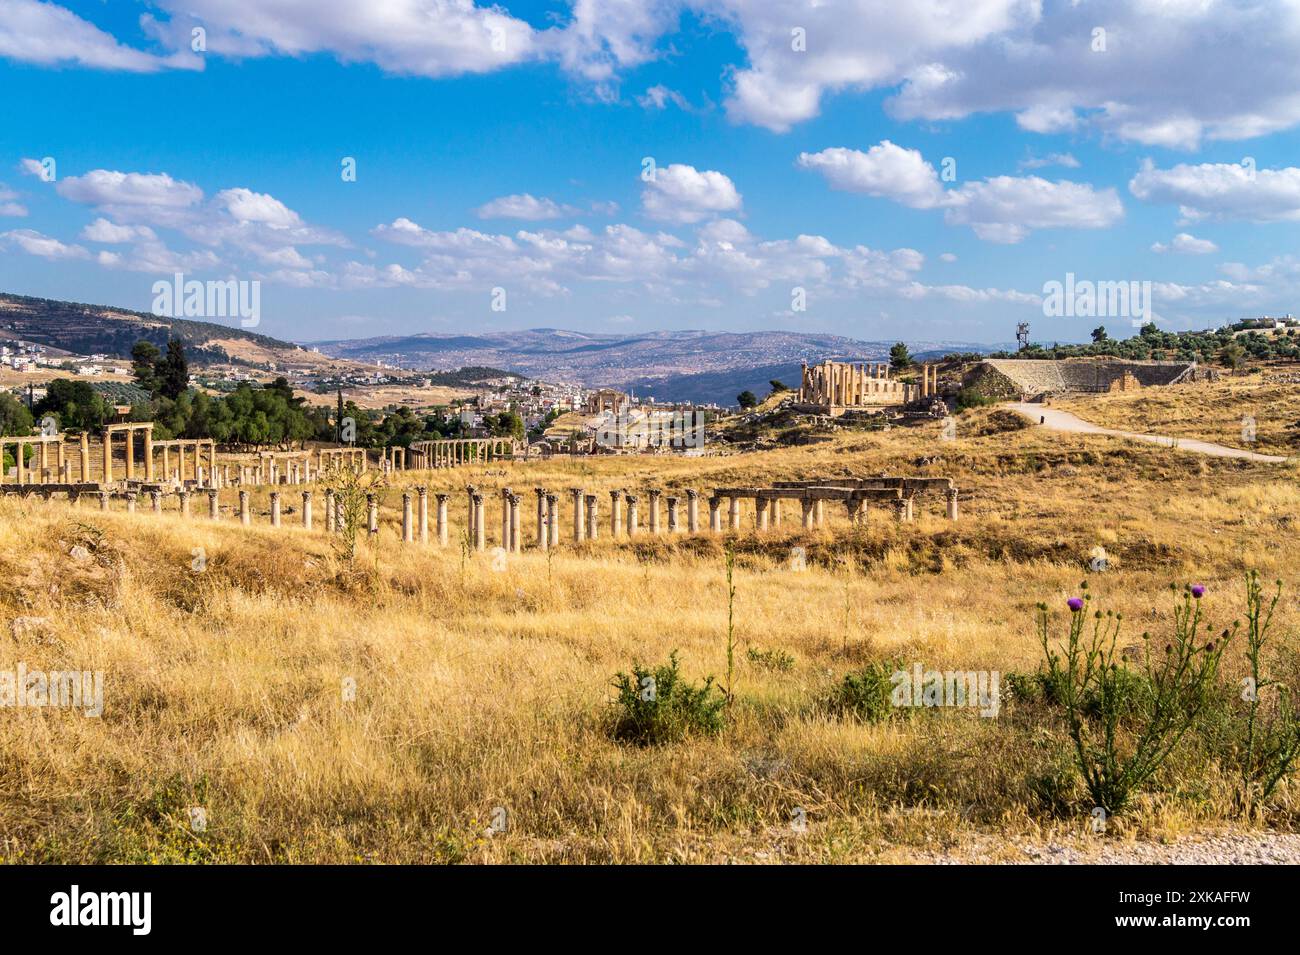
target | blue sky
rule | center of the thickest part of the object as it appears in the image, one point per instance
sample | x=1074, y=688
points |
x=503, y=148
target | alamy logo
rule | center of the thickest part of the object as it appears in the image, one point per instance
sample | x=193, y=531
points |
x=974, y=688
x=103, y=908
x=70, y=689
x=179, y=298
x=1087, y=299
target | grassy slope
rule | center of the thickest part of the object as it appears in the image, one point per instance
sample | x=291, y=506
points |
x=1209, y=411
x=478, y=688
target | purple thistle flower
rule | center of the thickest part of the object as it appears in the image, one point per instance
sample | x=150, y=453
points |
x=1075, y=604
x=1197, y=591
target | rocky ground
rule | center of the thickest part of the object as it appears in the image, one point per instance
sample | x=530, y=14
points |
x=1264, y=848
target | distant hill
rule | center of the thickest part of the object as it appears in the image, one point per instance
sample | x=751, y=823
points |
x=103, y=329
x=686, y=365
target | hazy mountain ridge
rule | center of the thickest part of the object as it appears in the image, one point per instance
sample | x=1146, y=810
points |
x=690, y=365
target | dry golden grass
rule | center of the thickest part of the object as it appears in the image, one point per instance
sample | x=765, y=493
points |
x=1211, y=411
x=478, y=688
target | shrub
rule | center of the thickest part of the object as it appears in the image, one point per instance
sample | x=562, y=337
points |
x=865, y=694
x=659, y=706
x=774, y=659
x=1098, y=693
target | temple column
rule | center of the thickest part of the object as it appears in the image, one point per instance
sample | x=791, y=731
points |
x=673, y=528
x=553, y=518
x=130, y=502
x=407, y=534
x=760, y=513
x=244, y=517
x=543, y=535
x=275, y=508
x=185, y=502
x=372, y=515
x=505, y=518
x=809, y=511
x=592, y=522
x=516, y=539
x=693, y=511
x=819, y=512
x=422, y=513
x=214, y=506
x=442, y=519
x=108, y=458
x=480, y=533
x=733, y=514
x=631, y=515
x=654, y=510
x=615, y=513
x=715, y=515
x=329, y=510
x=155, y=500
x=306, y=509
x=774, y=512
x=579, y=523
x=103, y=500
x=148, y=454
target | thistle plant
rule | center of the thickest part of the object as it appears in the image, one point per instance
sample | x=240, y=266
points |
x=351, y=490
x=1272, y=730
x=729, y=555
x=1123, y=724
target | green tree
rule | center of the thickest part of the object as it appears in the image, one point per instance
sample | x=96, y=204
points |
x=15, y=419
x=778, y=386
x=76, y=405
x=747, y=399
x=1232, y=356
x=144, y=365
x=173, y=371
x=1099, y=334
x=899, y=357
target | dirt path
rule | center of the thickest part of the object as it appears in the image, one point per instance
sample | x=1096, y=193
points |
x=1251, y=848
x=1064, y=421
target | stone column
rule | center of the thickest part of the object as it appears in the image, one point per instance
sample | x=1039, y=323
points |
x=733, y=514
x=774, y=512
x=654, y=510
x=103, y=500
x=442, y=519
x=615, y=513
x=631, y=515
x=910, y=501
x=108, y=459
x=760, y=513
x=148, y=454
x=591, y=502
x=819, y=512
x=306, y=509
x=408, y=535
x=516, y=539
x=155, y=498
x=809, y=513
x=65, y=472
x=855, y=510
x=329, y=510
x=506, y=494
x=693, y=511
x=952, y=504
x=185, y=502
x=130, y=502
x=275, y=508
x=673, y=528
x=214, y=506
x=900, y=510
x=422, y=513
x=543, y=535
x=553, y=518
x=372, y=512
x=244, y=517
x=579, y=521
x=85, y=457
x=715, y=515
x=480, y=532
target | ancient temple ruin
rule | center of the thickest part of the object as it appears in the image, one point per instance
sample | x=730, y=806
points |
x=834, y=387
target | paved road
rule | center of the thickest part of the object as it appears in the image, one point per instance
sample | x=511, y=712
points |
x=1064, y=421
